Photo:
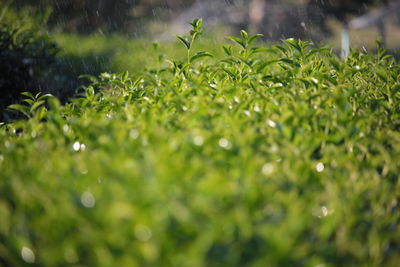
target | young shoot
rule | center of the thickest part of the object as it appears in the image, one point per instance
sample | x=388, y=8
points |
x=188, y=41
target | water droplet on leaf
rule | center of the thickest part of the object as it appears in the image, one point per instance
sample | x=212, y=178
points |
x=76, y=146
x=320, y=167
x=27, y=255
x=88, y=200
x=224, y=143
x=271, y=123
x=267, y=169
x=198, y=140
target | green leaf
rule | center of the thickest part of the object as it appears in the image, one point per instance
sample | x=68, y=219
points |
x=335, y=64
x=228, y=50
x=29, y=101
x=237, y=40
x=196, y=23
x=290, y=62
x=40, y=113
x=89, y=92
x=184, y=40
x=295, y=44
x=244, y=34
x=282, y=49
x=54, y=103
x=125, y=76
x=156, y=46
x=200, y=55
x=45, y=96
x=28, y=94
x=395, y=89
x=330, y=79
x=194, y=34
x=252, y=38
x=262, y=66
x=317, y=50
x=23, y=109
x=381, y=73
x=230, y=73
x=36, y=105
x=137, y=82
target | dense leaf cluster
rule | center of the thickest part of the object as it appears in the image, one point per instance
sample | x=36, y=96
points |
x=268, y=156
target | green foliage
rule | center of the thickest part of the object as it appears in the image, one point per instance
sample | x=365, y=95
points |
x=269, y=156
x=26, y=53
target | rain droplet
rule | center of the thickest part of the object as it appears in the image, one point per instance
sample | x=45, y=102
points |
x=142, y=232
x=267, y=169
x=320, y=167
x=7, y=144
x=324, y=211
x=88, y=200
x=198, y=140
x=271, y=123
x=274, y=148
x=224, y=143
x=76, y=146
x=364, y=49
x=134, y=134
x=27, y=255
x=65, y=128
x=257, y=109
x=247, y=113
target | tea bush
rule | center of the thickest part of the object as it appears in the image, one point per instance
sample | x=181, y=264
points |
x=268, y=156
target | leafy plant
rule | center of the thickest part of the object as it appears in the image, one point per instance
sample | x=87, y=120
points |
x=26, y=54
x=188, y=41
x=280, y=155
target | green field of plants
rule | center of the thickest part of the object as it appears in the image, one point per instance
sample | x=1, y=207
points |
x=239, y=154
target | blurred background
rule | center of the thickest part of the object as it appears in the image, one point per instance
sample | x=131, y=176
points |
x=160, y=19
x=46, y=44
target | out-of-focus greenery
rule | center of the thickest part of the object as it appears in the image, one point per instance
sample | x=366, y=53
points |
x=275, y=156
